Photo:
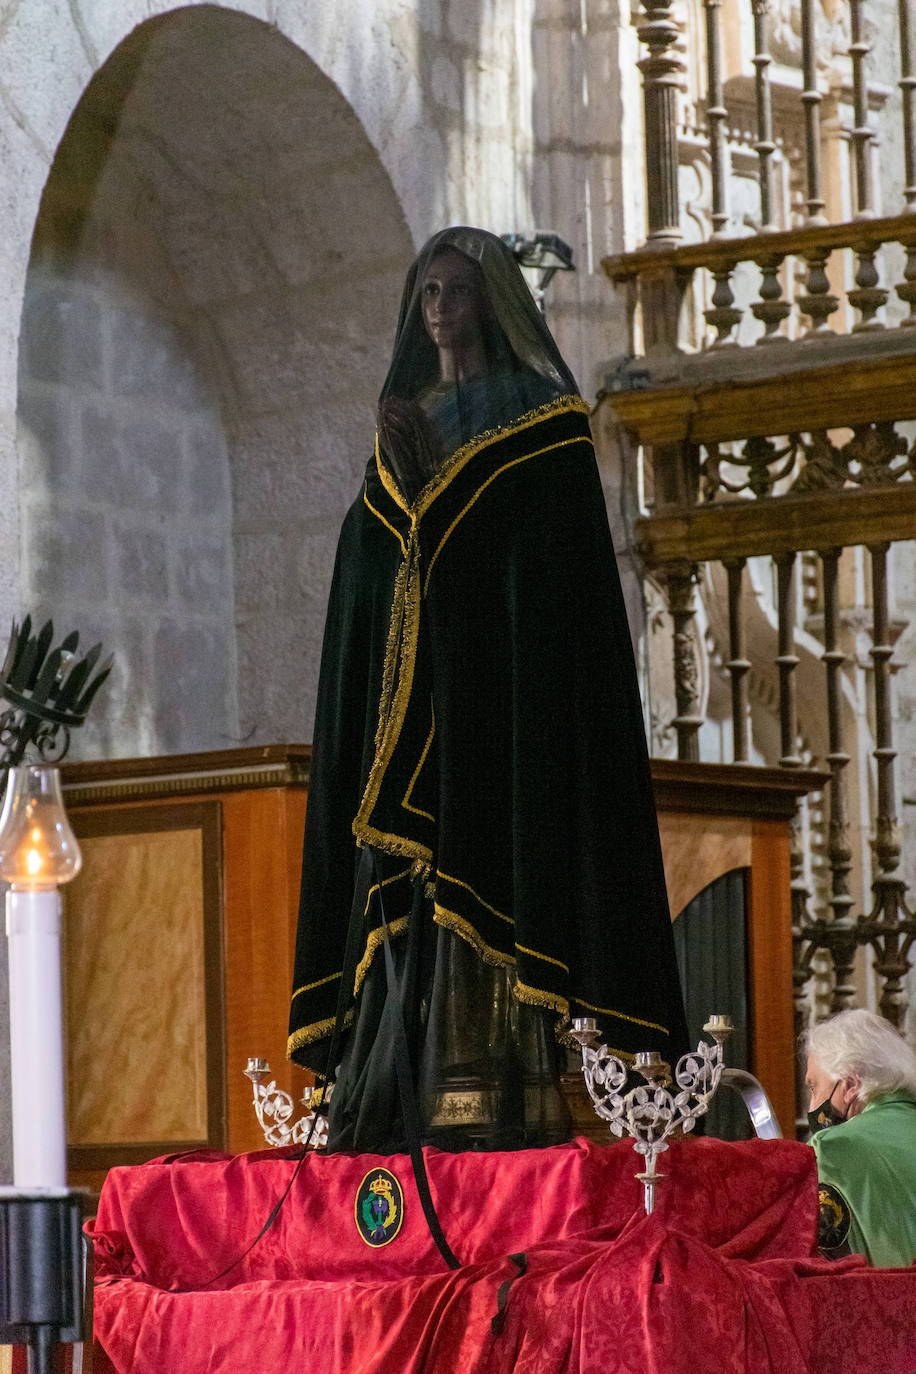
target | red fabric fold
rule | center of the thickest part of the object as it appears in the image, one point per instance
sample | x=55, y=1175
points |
x=720, y=1278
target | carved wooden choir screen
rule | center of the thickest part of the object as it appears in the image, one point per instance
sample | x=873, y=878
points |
x=771, y=386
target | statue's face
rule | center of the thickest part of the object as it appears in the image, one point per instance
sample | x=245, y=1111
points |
x=453, y=300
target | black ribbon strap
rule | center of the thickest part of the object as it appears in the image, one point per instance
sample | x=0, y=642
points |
x=502, y=1297
x=409, y=1110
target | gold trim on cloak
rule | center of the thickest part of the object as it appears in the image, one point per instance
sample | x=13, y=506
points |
x=397, y=682
x=318, y=1030
x=404, y=624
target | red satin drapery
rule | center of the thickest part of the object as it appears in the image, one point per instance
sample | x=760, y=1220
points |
x=719, y=1280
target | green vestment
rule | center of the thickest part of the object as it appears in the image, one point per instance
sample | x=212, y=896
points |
x=870, y=1160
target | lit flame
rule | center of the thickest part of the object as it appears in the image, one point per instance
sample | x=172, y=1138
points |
x=34, y=862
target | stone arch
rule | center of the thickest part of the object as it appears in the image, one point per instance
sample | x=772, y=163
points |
x=207, y=315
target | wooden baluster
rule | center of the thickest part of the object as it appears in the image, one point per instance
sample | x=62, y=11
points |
x=787, y=660
x=868, y=296
x=738, y=664
x=908, y=101
x=906, y=289
x=723, y=314
x=765, y=146
x=662, y=73
x=890, y=928
x=862, y=133
x=716, y=115
x=817, y=302
x=811, y=99
x=841, y=933
x=771, y=310
x=680, y=579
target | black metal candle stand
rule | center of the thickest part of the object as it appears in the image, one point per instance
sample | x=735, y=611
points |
x=45, y=1263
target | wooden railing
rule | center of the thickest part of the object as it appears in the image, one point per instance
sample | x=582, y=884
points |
x=775, y=253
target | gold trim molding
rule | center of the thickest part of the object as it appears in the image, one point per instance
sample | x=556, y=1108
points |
x=179, y=775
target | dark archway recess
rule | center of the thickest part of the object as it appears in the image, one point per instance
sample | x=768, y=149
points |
x=209, y=307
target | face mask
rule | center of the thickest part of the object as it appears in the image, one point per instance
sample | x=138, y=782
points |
x=826, y=1114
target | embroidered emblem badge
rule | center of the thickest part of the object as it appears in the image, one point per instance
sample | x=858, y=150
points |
x=379, y=1208
x=834, y=1218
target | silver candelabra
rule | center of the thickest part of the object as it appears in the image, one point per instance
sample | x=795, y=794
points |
x=274, y=1107
x=651, y=1111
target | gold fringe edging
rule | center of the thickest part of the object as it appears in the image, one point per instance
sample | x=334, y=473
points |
x=368, y=837
x=318, y=1030
x=373, y=940
x=535, y=997
x=450, y=920
x=560, y=405
x=404, y=625
x=397, y=680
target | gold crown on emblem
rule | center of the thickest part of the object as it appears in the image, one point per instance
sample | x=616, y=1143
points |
x=380, y=1185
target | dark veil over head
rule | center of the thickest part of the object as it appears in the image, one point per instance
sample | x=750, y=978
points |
x=518, y=336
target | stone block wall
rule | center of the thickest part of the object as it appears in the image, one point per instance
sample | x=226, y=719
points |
x=126, y=512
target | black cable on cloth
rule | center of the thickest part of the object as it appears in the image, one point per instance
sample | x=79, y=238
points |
x=409, y=1110
x=498, y=1321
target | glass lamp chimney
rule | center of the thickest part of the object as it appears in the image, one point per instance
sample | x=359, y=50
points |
x=38, y=850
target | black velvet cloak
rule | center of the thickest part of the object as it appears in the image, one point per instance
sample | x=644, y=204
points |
x=479, y=723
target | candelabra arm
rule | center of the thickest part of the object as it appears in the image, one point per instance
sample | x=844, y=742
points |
x=274, y=1107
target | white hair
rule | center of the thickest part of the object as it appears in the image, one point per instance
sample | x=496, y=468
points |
x=859, y=1044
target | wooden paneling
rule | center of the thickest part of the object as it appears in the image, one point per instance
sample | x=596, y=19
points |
x=698, y=849
x=770, y=938
x=263, y=855
x=143, y=958
x=135, y=968
x=696, y=854
x=716, y=817
x=142, y=1035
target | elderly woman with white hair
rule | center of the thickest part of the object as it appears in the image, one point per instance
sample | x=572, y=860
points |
x=861, y=1081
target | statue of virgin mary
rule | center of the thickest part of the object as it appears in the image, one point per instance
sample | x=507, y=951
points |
x=480, y=786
